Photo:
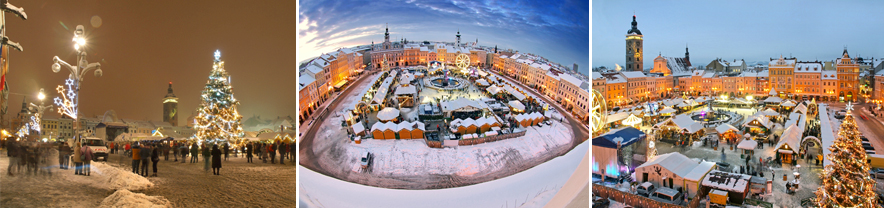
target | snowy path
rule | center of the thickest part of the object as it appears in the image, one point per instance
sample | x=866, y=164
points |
x=240, y=184
x=410, y=164
x=62, y=188
x=530, y=188
x=184, y=185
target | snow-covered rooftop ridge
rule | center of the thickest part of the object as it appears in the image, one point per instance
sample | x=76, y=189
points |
x=808, y=67
x=627, y=74
x=577, y=82
x=727, y=181
x=406, y=90
x=830, y=74
x=675, y=162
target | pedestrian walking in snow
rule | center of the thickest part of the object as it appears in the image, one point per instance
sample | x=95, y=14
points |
x=64, y=154
x=136, y=158
x=226, y=151
x=78, y=159
x=146, y=153
x=249, y=147
x=194, y=153
x=281, y=149
x=12, y=152
x=175, y=150
x=87, y=161
x=155, y=158
x=206, y=155
x=183, y=149
x=216, y=160
x=165, y=149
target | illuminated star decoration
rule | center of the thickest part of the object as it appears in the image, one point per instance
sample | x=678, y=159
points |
x=850, y=106
x=35, y=123
x=217, y=55
x=65, y=104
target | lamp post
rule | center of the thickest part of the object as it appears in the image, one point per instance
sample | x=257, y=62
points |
x=71, y=107
x=38, y=109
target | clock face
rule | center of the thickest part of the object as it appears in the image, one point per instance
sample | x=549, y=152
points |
x=638, y=55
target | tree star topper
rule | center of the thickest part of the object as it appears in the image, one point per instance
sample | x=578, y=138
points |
x=65, y=104
x=849, y=106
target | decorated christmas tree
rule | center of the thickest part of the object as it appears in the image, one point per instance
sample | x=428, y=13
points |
x=217, y=119
x=846, y=182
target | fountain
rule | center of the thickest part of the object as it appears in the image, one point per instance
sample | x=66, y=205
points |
x=710, y=116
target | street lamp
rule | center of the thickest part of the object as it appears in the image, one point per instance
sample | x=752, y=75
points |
x=38, y=109
x=78, y=72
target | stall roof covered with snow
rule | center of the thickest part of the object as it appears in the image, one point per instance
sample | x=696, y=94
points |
x=626, y=136
x=732, y=182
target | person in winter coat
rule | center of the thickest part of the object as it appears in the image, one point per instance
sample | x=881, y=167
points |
x=249, y=147
x=165, y=151
x=272, y=150
x=14, y=157
x=216, y=160
x=87, y=161
x=184, y=150
x=136, y=157
x=282, y=153
x=63, y=155
x=206, y=155
x=264, y=152
x=175, y=152
x=155, y=158
x=194, y=152
x=226, y=152
x=78, y=162
x=145, y=157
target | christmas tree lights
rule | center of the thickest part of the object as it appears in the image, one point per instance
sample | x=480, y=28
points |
x=217, y=119
x=846, y=182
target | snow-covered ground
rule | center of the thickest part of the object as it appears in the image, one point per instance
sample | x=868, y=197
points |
x=63, y=188
x=112, y=184
x=413, y=157
x=530, y=188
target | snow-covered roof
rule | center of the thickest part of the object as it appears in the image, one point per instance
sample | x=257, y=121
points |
x=769, y=112
x=832, y=75
x=383, y=126
x=667, y=110
x=791, y=136
x=675, y=162
x=700, y=171
x=358, y=127
x=482, y=82
x=747, y=144
x=461, y=103
x=517, y=105
x=406, y=90
x=616, y=117
x=626, y=136
x=761, y=119
x=683, y=122
x=801, y=108
x=305, y=80
x=613, y=79
x=788, y=103
x=388, y=114
x=773, y=99
x=724, y=127
x=808, y=67
x=627, y=74
x=709, y=75
x=727, y=181
x=576, y=82
x=827, y=134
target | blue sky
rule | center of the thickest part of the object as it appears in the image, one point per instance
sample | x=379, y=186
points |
x=750, y=30
x=557, y=30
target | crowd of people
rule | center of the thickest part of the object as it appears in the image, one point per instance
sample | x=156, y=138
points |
x=32, y=157
x=212, y=154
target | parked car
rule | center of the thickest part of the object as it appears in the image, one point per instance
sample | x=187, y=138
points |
x=668, y=195
x=366, y=159
x=722, y=166
x=877, y=172
x=645, y=189
x=598, y=201
x=868, y=147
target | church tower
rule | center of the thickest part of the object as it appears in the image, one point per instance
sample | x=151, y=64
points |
x=387, y=45
x=634, y=48
x=170, y=107
x=458, y=37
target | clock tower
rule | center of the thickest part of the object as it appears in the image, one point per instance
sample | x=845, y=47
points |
x=170, y=107
x=634, y=48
